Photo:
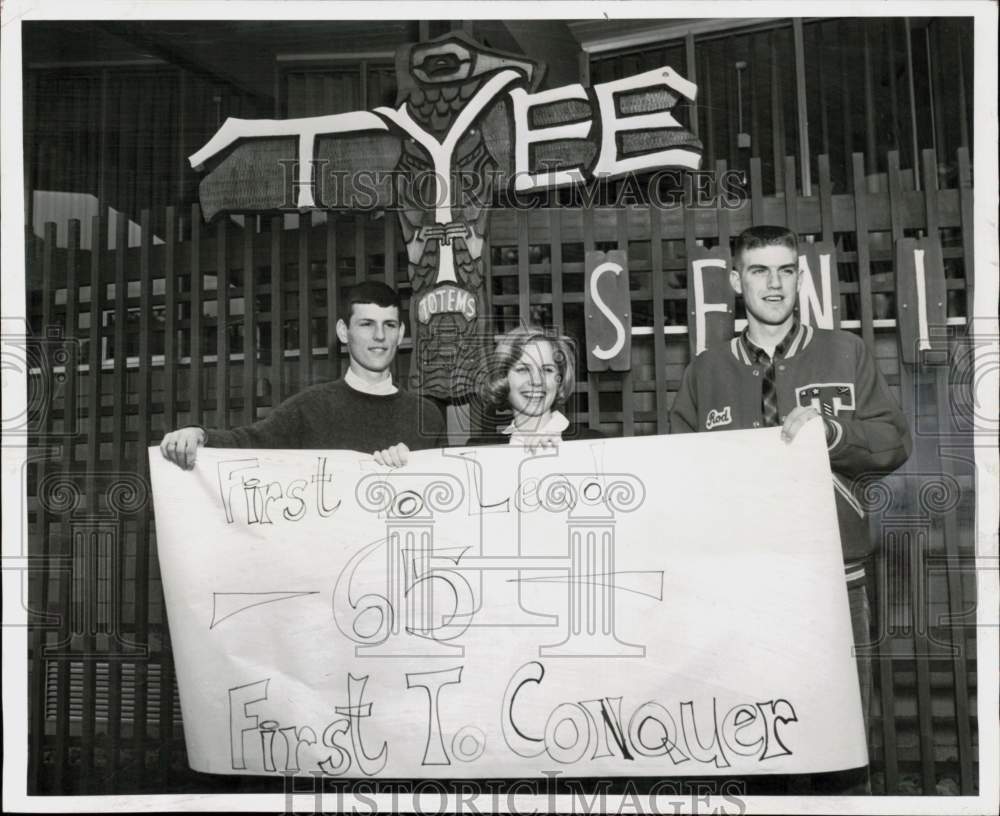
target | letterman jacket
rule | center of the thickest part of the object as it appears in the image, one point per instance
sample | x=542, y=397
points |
x=832, y=370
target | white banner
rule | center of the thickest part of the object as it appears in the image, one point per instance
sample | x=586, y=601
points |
x=651, y=606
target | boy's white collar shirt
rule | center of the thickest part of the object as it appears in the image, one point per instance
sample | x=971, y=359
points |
x=382, y=388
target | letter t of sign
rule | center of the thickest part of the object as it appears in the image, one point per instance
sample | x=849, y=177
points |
x=441, y=154
x=356, y=710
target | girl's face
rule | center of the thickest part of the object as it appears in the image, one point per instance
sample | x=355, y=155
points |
x=534, y=380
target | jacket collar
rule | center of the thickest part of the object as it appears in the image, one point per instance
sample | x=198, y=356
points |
x=795, y=340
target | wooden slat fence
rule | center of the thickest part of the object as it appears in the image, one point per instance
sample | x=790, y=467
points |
x=216, y=323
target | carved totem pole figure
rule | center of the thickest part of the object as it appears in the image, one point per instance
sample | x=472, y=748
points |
x=444, y=221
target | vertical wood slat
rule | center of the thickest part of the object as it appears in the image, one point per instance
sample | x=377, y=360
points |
x=38, y=583
x=821, y=75
x=895, y=198
x=791, y=196
x=558, y=313
x=196, y=291
x=968, y=216
x=691, y=62
x=657, y=275
x=777, y=121
x=956, y=604
x=930, y=195
x=389, y=238
x=722, y=213
x=690, y=243
x=222, y=325
x=277, y=314
x=142, y=468
x=870, y=162
x=864, y=251
x=249, y=324
x=628, y=398
x=170, y=351
x=885, y=662
x=332, y=298
x=756, y=192
x=729, y=84
x=891, y=71
x=523, y=268
x=953, y=576
x=123, y=185
x=886, y=688
x=921, y=646
x=165, y=725
x=556, y=259
x=956, y=601
x=963, y=105
x=593, y=383
x=105, y=161
x=360, y=253
x=142, y=114
x=802, y=103
x=826, y=201
x=160, y=129
x=32, y=166
x=56, y=158
x=305, y=303
x=845, y=100
x=920, y=643
x=756, y=103
x=93, y=124
x=906, y=395
x=914, y=131
x=119, y=396
x=708, y=106
x=88, y=727
x=182, y=128
x=70, y=414
x=935, y=108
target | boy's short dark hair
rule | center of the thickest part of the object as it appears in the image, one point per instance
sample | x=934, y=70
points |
x=764, y=236
x=376, y=292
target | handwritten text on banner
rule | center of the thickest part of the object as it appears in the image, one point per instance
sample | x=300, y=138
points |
x=635, y=607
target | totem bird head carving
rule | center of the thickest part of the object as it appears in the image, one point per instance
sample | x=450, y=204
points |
x=436, y=78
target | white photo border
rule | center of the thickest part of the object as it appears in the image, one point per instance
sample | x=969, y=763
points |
x=983, y=328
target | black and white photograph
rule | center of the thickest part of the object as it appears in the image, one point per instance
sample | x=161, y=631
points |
x=500, y=407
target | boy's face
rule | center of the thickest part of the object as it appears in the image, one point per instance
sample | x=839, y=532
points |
x=372, y=336
x=768, y=278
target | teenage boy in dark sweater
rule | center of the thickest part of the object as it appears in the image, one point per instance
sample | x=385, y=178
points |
x=364, y=411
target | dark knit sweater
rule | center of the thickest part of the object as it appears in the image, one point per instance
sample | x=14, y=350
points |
x=334, y=416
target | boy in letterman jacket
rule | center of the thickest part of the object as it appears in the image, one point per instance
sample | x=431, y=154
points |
x=778, y=372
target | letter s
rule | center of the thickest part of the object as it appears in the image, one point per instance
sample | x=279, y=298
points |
x=341, y=725
x=295, y=493
x=595, y=295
